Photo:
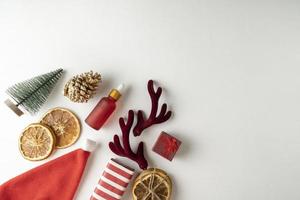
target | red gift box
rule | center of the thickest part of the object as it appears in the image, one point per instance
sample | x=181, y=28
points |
x=166, y=145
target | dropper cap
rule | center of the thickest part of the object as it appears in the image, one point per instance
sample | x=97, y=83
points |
x=117, y=93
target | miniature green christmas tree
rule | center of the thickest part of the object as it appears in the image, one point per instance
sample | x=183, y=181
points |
x=32, y=93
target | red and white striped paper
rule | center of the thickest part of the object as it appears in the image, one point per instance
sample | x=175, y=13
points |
x=113, y=182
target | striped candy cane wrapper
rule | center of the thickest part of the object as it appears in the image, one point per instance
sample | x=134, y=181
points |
x=113, y=181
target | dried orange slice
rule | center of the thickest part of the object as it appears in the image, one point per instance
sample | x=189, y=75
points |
x=64, y=124
x=152, y=184
x=36, y=142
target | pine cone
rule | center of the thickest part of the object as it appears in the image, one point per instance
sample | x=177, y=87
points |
x=82, y=87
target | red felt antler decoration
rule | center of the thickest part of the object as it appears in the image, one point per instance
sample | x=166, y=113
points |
x=126, y=150
x=163, y=116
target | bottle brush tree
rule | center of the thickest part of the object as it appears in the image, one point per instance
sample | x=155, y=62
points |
x=31, y=94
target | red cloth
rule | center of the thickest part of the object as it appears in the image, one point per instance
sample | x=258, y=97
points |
x=55, y=180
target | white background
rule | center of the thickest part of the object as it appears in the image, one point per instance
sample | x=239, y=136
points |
x=230, y=70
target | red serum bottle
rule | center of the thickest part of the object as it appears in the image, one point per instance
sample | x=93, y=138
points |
x=105, y=107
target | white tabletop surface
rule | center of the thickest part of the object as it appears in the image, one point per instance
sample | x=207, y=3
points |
x=230, y=70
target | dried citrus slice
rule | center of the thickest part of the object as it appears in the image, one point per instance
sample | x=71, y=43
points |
x=152, y=184
x=36, y=142
x=64, y=124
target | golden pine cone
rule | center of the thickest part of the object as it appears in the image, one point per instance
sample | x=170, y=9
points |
x=82, y=87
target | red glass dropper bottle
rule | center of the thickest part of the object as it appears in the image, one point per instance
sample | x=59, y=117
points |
x=104, y=108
